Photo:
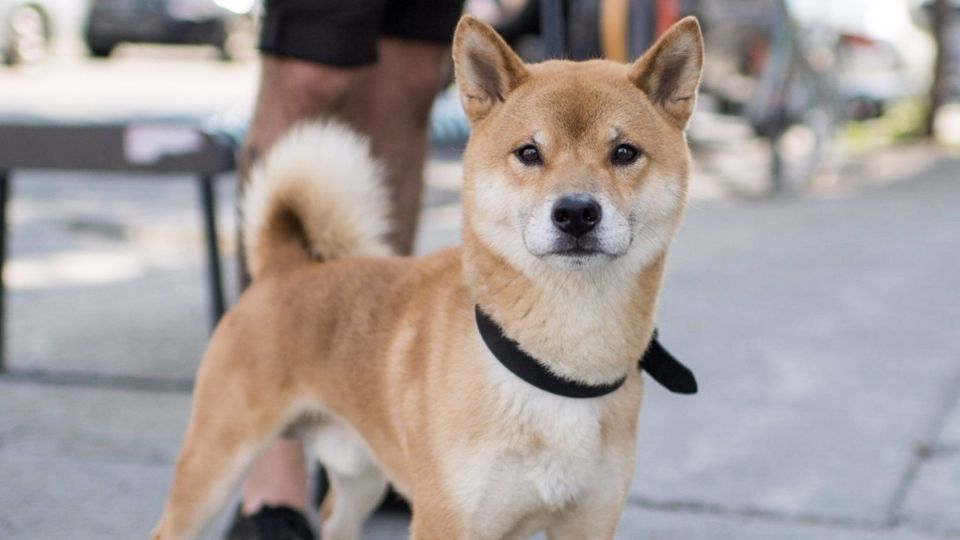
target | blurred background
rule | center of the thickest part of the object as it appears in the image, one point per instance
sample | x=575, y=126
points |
x=814, y=288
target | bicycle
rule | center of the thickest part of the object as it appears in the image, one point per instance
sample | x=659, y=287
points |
x=780, y=78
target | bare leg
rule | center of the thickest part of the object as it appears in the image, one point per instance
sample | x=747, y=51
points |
x=290, y=91
x=392, y=105
x=277, y=479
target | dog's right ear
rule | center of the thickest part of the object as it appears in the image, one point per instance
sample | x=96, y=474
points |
x=670, y=71
x=487, y=68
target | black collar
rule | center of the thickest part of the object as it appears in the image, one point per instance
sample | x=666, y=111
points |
x=657, y=361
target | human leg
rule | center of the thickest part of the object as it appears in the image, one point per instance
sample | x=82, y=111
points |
x=300, y=80
x=391, y=103
x=291, y=90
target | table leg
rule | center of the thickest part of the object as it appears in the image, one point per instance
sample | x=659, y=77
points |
x=4, y=195
x=214, y=274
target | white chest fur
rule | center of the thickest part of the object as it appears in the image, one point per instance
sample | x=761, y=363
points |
x=569, y=429
x=546, y=452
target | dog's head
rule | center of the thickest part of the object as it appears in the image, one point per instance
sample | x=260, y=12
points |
x=575, y=165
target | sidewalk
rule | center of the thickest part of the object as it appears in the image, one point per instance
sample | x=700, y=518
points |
x=824, y=333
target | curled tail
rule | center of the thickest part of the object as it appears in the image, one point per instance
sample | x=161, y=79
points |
x=317, y=195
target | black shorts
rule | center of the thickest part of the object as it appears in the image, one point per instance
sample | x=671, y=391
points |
x=345, y=32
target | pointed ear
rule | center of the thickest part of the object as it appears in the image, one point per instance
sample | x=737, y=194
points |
x=487, y=69
x=669, y=73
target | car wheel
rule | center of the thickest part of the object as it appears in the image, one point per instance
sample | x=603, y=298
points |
x=100, y=50
x=29, y=36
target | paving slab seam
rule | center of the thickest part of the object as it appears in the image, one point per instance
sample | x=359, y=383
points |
x=925, y=450
x=806, y=520
x=933, y=532
x=695, y=507
x=160, y=462
x=79, y=379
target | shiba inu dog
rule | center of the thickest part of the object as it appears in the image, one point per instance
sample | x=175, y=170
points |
x=494, y=385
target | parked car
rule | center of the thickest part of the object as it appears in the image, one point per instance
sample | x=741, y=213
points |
x=228, y=25
x=875, y=50
x=25, y=31
x=884, y=53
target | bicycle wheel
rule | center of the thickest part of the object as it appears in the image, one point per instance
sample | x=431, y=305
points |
x=800, y=152
x=793, y=105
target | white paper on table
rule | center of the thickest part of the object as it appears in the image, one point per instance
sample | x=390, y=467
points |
x=146, y=144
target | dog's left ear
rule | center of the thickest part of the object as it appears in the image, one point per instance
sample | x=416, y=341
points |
x=487, y=68
x=669, y=73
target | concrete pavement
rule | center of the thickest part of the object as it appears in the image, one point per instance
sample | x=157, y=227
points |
x=824, y=332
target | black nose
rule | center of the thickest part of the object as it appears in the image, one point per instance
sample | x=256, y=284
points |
x=576, y=214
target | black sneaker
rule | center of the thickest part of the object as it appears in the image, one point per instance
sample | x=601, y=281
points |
x=270, y=523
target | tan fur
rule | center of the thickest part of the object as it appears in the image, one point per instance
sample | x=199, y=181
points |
x=378, y=359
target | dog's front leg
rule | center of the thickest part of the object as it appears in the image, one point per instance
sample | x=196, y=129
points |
x=586, y=523
x=581, y=526
x=594, y=515
x=432, y=521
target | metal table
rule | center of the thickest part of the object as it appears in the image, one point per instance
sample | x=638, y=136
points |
x=137, y=147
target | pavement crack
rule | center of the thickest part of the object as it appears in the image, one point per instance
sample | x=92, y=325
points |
x=925, y=450
x=101, y=381
x=697, y=507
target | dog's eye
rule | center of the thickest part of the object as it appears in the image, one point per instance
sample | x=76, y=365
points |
x=529, y=154
x=624, y=154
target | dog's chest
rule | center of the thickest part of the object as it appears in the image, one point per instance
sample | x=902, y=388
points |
x=546, y=450
x=563, y=452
